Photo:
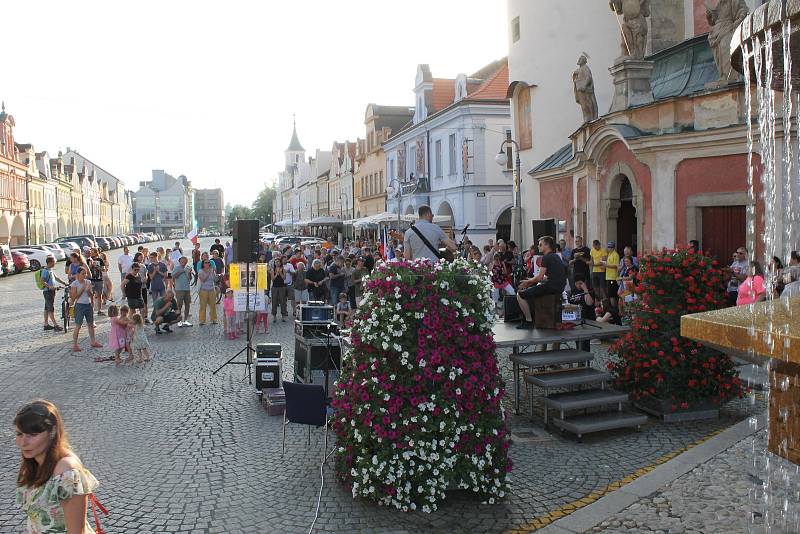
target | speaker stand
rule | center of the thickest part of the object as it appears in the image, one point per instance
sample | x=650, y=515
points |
x=248, y=347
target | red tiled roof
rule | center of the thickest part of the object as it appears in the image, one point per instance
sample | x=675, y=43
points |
x=494, y=88
x=444, y=92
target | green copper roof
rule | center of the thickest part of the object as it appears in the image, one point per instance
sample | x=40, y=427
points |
x=295, y=144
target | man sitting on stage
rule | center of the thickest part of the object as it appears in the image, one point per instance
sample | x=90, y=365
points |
x=550, y=280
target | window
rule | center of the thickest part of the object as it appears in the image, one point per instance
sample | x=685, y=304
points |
x=515, y=29
x=509, y=152
x=452, y=149
x=438, y=148
x=381, y=187
x=391, y=169
x=412, y=160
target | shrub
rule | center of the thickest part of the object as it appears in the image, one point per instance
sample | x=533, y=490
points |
x=653, y=359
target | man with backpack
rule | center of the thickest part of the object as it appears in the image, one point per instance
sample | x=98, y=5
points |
x=96, y=268
x=46, y=281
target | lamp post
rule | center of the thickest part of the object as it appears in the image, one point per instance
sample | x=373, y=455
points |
x=516, y=214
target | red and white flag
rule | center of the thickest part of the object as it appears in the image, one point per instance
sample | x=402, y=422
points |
x=192, y=235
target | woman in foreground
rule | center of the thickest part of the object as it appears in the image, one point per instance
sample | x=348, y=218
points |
x=53, y=487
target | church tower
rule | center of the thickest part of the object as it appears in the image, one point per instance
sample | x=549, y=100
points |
x=295, y=153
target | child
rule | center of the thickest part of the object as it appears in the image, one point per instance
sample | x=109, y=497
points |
x=343, y=309
x=501, y=278
x=118, y=337
x=140, y=347
x=230, y=315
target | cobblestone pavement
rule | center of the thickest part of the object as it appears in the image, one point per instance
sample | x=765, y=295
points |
x=177, y=449
x=721, y=495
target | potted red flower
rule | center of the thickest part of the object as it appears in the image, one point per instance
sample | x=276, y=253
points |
x=665, y=373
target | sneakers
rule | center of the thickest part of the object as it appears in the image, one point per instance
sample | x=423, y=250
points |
x=147, y=321
x=49, y=327
x=167, y=329
x=57, y=328
x=185, y=324
x=158, y=331
x=180, y=324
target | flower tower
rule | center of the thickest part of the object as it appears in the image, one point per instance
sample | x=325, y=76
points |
x=653, y=362
x=418, y=410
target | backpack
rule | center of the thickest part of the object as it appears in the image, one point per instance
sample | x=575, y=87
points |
x=37, y=276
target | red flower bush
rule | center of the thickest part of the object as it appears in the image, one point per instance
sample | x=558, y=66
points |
x=653, y=360
x=418, y=409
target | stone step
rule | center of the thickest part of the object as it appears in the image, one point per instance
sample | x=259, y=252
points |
x=587, y=398
x=596, y=422
x=567, y=377
x=551, y=357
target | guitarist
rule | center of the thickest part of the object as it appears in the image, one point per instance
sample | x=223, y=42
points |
x=423, y=238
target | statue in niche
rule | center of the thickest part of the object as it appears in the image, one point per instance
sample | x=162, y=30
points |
x=634, y=26
x=583, y=87
x=724, y=19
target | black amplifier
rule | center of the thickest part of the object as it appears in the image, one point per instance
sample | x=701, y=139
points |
x=266, y=350
x=311, y=330
x=312, y=355
x=315, y=314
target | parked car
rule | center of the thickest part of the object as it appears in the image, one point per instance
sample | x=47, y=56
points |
x=21, y=261
x=69, y=247
x=86, y=240
x=37, y=257
x=103, y=243
x=55, y=250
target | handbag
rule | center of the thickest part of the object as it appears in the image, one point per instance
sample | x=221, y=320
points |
x=442, y=254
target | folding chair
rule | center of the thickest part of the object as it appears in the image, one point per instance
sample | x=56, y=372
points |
x=306, y=404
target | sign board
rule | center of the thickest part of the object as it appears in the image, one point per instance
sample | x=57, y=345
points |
x=258, y=301
x=481, y=195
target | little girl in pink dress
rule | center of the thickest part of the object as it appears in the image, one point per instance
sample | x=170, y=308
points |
x=118, y=336
x=230, y=315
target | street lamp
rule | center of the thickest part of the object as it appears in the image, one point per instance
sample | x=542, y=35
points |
x=516, y=215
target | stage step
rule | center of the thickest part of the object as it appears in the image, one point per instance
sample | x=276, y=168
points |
x=596, y=422
x=567, y=377
x=551, y=357
x=582, y=399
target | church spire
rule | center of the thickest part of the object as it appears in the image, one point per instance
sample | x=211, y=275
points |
x=295, y=144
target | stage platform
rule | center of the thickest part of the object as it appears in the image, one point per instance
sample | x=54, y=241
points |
x=506, y=335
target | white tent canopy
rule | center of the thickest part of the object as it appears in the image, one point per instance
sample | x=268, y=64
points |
x=324, y=221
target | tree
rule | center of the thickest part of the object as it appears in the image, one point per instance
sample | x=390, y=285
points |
x=263, y=205
x=238, y=212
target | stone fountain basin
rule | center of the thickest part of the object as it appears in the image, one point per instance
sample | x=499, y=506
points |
x=735, y=330
x=770, y=16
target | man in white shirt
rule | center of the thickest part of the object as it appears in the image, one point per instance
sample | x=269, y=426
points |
x=414, y=247
x=176, y=253
x=124, y=262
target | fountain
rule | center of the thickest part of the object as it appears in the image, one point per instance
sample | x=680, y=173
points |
x=765, y=49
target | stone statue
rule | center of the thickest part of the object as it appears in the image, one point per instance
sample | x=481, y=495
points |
x=724, y=19
x=583, y=86
x=634, y=26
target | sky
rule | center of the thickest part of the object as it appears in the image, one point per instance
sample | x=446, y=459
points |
x=208, y=89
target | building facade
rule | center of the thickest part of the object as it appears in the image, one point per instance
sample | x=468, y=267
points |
x=543, y=106
x=164, y=204
x=445, y=158
x=381, y=123
x=659, y=172
x=209, y=209
x=13, y=198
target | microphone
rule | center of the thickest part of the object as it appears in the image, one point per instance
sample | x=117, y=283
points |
x=464, y=231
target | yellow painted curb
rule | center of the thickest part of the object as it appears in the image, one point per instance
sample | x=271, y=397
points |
x=568, y=508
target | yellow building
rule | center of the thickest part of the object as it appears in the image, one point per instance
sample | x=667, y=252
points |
x=370, y=179
x=35, y=225
x=63, y=195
